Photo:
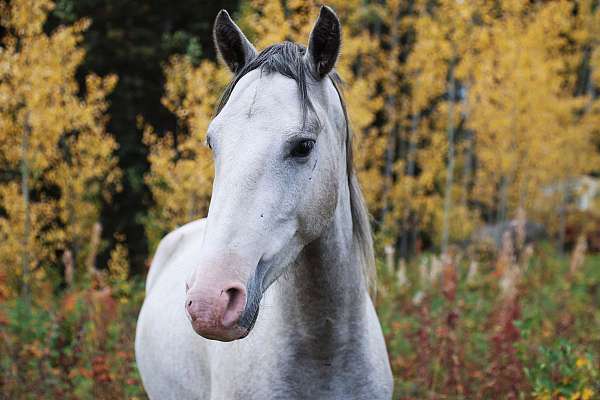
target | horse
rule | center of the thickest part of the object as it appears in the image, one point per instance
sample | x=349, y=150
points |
x=287, y=233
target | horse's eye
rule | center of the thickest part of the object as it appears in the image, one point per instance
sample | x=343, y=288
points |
x=303, y=148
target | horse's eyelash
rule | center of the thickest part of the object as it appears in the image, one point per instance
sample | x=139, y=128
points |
x=301, y=135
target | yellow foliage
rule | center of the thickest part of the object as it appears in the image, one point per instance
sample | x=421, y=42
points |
x=517, y=122
x=50, y=137
x=118, y=265
x=523, y=109
x=181, y=169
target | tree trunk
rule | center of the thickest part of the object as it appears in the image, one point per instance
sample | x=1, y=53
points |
x=96, y=237
x=407, y=226
x=450, y=166
x=562, y=217
x=469, y=151
x=392, y=114
x=26, y=288
x=503, y=199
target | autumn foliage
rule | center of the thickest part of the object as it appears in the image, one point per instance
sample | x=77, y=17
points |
x=465, y=114
x=461, y=114
x=57, y=159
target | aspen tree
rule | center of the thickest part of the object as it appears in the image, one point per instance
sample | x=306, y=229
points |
x=57, y=157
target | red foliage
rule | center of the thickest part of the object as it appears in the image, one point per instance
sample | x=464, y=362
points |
x=505, y=377
x=452, y=358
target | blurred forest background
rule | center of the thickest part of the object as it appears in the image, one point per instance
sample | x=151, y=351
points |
x=477, y=127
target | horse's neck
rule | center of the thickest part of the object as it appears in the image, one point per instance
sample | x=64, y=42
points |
x=324, y=297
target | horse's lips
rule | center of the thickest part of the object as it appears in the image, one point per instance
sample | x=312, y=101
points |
x=234, y=333
x=229, y=335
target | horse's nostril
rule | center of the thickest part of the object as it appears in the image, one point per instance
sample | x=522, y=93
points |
x=235, y=305
x=188, y=309
x=234, y=294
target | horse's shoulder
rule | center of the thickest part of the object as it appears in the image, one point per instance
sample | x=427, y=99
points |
x=169, y=245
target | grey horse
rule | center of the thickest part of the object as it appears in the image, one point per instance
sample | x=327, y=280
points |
x=287, y=232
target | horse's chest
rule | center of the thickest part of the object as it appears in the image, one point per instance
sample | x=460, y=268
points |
x=335, y=386
x=297, y=378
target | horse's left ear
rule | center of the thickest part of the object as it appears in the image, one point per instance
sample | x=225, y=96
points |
x=324, y=43
x=231, y=44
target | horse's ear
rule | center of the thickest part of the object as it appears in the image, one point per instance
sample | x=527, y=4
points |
x=324, y=43
x=231, y=44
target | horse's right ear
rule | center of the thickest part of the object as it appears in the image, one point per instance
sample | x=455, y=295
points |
x=231, y=44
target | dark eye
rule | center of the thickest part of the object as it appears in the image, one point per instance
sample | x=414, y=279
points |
x=303, y=148
x=208, y=142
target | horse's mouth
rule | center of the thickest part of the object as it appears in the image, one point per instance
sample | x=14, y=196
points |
x=236, y=332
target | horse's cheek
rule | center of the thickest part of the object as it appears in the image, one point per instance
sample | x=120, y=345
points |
x=320, y=203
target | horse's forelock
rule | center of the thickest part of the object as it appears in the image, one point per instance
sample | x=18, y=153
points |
x=287, y=59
